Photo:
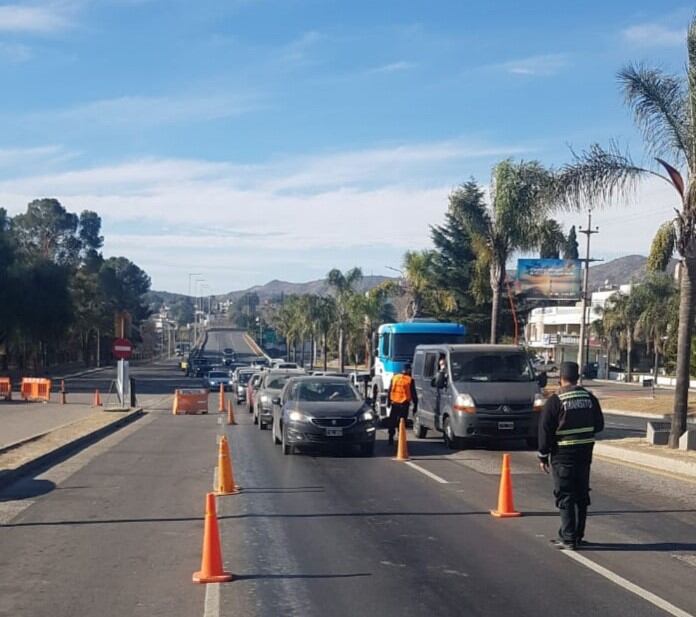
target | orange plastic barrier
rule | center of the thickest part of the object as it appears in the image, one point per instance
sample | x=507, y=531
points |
x=36, y=389
x=190, y=401
x=6, y=388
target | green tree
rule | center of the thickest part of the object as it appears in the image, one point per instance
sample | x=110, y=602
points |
x=570, y=247
x=664, y=107
x=343, y=285
x=551, y=239
x=520, y=197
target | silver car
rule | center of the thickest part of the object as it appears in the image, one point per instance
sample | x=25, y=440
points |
x=240, y=381
x=271, y=385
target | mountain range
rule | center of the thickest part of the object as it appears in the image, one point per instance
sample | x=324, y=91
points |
x=631, y=268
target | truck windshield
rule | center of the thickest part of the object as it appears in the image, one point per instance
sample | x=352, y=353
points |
x=490, y=367
x=404, y=345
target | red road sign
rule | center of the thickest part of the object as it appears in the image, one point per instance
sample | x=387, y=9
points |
x=122, y=349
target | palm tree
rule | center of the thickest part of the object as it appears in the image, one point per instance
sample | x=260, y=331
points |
x=325, y=317
x=551, y=239
x=418, y=276
x=664, y=107
x=658, y=298
x=343, y=285
x=521, y=194
x=373, y=308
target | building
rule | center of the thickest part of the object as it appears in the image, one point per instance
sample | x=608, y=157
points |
x=554, y=331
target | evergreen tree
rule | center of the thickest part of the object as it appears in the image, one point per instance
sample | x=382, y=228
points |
x=570, y=250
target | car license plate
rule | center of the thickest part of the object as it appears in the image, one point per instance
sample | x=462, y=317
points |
x=506, y=426
x=334, y=432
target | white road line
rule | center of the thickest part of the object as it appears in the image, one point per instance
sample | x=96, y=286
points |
x=212, y=600
x=430, y=474
x=628, y=585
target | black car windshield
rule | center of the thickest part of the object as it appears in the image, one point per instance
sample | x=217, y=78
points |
x=217, y=374
x=493, y=366
x=326, y=391
x=243, y=378
x=276, y=382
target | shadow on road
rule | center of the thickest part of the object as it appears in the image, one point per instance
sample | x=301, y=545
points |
x=27, y=489
x=248, y=577
x=659, y=547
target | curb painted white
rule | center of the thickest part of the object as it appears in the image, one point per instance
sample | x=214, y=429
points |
x=645, y=459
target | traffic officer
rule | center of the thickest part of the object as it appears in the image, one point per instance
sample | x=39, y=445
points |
x=569, y=422
x=402, y=392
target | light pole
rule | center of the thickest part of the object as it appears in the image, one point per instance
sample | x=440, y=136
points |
x=197, y=281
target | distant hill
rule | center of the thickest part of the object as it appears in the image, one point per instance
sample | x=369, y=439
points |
x=631, y=268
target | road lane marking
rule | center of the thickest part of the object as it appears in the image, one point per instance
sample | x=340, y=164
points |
x=212, y=600
x=628, y=585
x=430, y=474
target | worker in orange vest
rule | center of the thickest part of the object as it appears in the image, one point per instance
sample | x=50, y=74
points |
x=402, y=392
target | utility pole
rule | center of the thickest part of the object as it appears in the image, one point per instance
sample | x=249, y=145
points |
x=582, y=354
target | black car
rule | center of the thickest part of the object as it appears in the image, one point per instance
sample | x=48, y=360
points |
x=322, y=411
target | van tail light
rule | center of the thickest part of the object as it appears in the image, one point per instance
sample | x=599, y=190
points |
x=464, y=404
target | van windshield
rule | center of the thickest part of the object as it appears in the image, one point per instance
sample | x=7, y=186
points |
x=404, y=345
x=492, y=366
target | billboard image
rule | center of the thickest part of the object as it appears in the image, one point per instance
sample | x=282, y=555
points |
x=554, y=279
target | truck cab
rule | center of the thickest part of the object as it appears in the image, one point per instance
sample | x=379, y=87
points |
x=395, y=345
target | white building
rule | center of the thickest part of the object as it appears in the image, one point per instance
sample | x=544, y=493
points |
x=554, y=331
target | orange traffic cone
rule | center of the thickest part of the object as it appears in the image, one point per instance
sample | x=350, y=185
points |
x=175, y=404
x=97, y=399
x=221, y=404
x=225, y=475
x=211, y=562
x=506, y=507
x=402, y=448
x=230, y=414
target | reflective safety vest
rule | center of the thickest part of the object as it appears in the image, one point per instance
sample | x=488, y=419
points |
x=401, y=388
x=577, y=426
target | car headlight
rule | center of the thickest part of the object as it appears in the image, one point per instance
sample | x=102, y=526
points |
x=265, y=398
x=297, y=416
x=464, y=403
x=368, y=416
x=539, y=401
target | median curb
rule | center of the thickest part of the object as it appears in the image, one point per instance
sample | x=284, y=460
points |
x=639, y=454
x=62, y=451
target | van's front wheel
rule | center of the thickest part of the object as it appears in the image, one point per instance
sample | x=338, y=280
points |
x=418, y=429
x=448, y=434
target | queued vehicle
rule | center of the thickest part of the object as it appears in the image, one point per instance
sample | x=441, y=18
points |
x=316, y=411
x=260, y=361
x=228, y=356
x=284, y=364
x=485, y=392
x=273, y=382
x=252, y=387
x=219, y=377
x=240, y=380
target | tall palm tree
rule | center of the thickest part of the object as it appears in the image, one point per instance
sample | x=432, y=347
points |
x=343, y=285
x=418, y=276
x=372, y=309
x=325, y=317
x=521, y=193
x=664, y=108
x=658, y=299
x=551, y=239
x=621, y=316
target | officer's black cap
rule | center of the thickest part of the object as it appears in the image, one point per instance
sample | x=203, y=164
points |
x=570, y=371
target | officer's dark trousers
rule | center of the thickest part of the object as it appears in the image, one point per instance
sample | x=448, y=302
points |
x=397, y=411
x=571, y=487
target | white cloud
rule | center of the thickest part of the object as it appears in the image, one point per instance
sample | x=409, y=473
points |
x=151, y=111
x=392, y=67
x=167, y=213
x=15, y=52
x=542, y=65
x=35, y=19
x=12, y=158
x=297, y=52
x=654, y=35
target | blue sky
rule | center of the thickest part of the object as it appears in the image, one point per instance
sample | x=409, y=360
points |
x=257, y=139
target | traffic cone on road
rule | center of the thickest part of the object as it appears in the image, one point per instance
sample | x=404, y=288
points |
x=506, y=507
x=221, y=404
x=402, y=447
x=175, y=404
x=97, y=399
x=211, y=561
x=225, y=474
x=230, y=414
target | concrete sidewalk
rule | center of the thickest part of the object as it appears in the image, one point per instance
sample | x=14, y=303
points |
x=637, y=451
x=20, y=420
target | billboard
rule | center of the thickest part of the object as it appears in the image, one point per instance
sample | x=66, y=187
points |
x=551, y=279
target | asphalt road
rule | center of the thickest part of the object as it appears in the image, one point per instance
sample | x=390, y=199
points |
x=117, y=531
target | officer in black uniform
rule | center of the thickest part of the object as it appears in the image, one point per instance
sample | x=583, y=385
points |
x=567, y=427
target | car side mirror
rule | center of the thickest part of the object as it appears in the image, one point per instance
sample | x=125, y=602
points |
x=276, y=400
x=542, y=379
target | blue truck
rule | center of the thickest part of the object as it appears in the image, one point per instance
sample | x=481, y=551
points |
x=394, y=347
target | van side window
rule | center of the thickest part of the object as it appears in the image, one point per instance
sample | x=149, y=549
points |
x=430, y=362
x=386, y=340
x=418, y=363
